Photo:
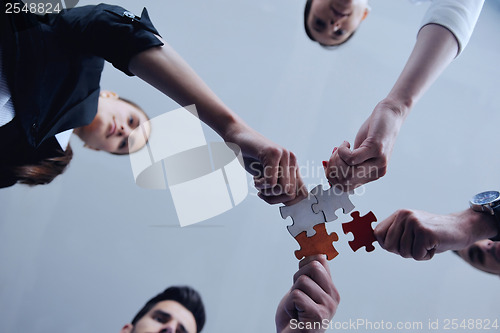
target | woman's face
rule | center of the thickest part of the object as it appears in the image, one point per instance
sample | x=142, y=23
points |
x=483, y=255
x=331, y=22
x=112, y=126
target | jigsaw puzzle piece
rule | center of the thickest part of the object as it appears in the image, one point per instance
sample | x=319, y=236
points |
x=361, y=228
x=320, y=243
x=303, y=217
x=330, y=201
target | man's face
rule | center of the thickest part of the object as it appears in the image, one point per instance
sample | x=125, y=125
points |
x=483, y=255
x=112, y=126
x=165, y=317
x=331, y=22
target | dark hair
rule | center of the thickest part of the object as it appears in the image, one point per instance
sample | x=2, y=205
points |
x=307, y=10
x=184, y=295
x=137, y=107
x=44, y=171
x=47, y=169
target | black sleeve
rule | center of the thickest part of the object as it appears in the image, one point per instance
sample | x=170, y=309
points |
x=109, y=32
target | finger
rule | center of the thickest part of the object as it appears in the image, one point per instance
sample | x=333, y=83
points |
x=430, y=254
x=355, y=182
x=338, y=170
x=313, y=291
x=287, y=178
x=297, y=302
x=311, y=267
x=358, y=176
x=393, y=236
x=276, y=199
x=321, y=299
x=321, y=258
x=273, y=191
x=299, y=194
x=284, y=173
x=291, y=178
x=334, y=150
x=406, y=242
x=326, y=284
x=289, y=303
x=279, y=190
x=253, y=166
x=345, y=148
x=423, y=247
x=325, y=169
x=301, y=191
x=318, y=273
x=271, y=162
x=359, y=155
x=259, y=182
x=383, y=227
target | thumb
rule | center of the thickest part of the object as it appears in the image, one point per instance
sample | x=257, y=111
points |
x=357, y=156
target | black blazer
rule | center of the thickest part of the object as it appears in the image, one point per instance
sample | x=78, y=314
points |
x=53, y=65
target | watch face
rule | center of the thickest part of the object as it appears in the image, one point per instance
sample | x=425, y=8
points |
x=485, y=197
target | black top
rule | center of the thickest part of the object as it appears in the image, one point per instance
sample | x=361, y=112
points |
x=53, y=65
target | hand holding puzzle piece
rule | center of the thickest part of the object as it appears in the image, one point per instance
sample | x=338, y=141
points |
x=310, y=215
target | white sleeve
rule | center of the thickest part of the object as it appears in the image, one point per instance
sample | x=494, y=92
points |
x=458, y=16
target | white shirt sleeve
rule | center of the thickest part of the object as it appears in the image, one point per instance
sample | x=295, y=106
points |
x=458, y=16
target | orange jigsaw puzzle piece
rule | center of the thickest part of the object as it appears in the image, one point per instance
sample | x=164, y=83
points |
x=320, y=243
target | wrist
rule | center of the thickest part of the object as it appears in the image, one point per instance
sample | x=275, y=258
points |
x=478, y=225
x=398, y=105
x=229, y=126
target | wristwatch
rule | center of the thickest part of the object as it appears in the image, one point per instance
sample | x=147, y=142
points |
x=487, y=202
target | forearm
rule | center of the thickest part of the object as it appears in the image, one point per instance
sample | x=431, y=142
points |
x=164, y=69
x=434, y=50
x=477, y=225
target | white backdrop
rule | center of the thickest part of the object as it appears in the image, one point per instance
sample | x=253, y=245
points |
x=83, y=254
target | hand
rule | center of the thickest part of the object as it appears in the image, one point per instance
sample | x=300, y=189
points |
x=275, y=169
x=372, y=149
x=419, y=235
x=313, y=298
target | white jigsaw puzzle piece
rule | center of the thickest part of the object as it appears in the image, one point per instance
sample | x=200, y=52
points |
x=303, y=216
x=330, y=201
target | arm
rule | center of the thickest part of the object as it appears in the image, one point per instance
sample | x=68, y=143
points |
x=458, y=16
x=133, y=46
x=447, y=27
x=165, y=70
x=435, y=48
x=419, y=235
x=313, y=298
x=277, y=169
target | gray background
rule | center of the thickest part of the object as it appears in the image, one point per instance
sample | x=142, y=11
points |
x=84, y=253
